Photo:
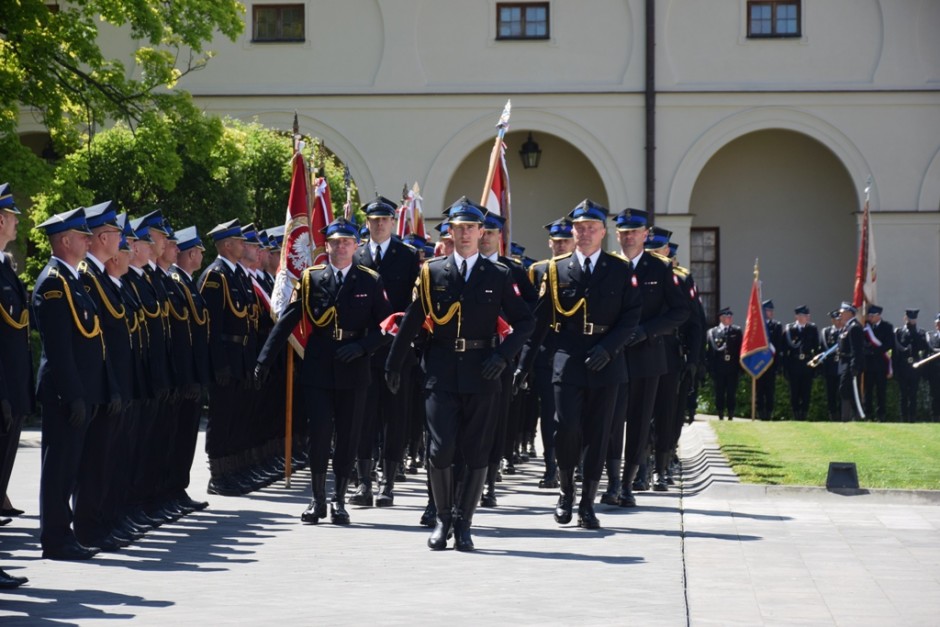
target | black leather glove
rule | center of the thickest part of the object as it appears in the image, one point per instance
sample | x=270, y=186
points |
x=77, y=413
x=6, y=409
x=493, y=366
x=114, y=406
x=597, y=358
x=223, y=376
x=349, y=352
x=261, y=374
x=520, y=381
x=393, y=380
x=638, y=336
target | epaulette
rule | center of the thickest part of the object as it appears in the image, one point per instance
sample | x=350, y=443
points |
x=616, y=256
x=319, y=266
x=565, y=256
x=666, y=260
x=409, y=246
x=374, y=274
x=540, y=262
x=683, y=272
x=54, y=273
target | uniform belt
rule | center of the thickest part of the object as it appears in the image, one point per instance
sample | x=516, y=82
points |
x=588, y=328
x=344, y=334
x=460, y=344
x=236, y=339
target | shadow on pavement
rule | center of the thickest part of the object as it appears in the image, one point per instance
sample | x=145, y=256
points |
x=40, y=606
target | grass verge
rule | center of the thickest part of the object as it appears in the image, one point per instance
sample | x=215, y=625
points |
x=887, y=455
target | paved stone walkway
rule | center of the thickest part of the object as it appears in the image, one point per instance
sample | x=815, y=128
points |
x=715, y=553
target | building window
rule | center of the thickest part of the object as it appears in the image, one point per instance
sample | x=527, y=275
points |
x=703, y=262
x=277, y=22
x=517, y=20
x=773, y=18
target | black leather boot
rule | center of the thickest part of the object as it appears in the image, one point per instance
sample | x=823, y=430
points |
x=338, y=513
x=488, y=499
x=550, y=479
x=609, y=497
x=317, y=508
x=626, y=498
x=586, y=517
x=472, y=489
x=566, y=496
x=442, y=487
x=659, y=475
x=363, y=495
x=386, y=498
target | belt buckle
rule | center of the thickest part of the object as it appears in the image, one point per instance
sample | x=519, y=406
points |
x=588, y=328
x=727, y=357
x=460, y=345
x=556, y=327
x=802, y=356
x=337, y=334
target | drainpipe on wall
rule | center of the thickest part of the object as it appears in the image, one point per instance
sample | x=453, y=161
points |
x=651, y=110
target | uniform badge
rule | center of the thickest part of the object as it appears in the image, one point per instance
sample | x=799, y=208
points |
x=675, y=280
x=542, y=289
x=633, y=281
x=52, y=295
x=515, y=288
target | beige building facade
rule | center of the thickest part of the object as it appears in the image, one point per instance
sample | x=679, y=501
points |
x=762, y=145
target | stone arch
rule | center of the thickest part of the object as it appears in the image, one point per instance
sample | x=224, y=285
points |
x=759, y=119
x=929, y=198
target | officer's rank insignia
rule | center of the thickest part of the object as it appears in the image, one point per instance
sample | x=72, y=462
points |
x=212, y=284
x=52, y=295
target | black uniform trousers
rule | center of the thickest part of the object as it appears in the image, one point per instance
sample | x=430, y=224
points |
x=94, y=485
x=181, y=462
x=583, y=418
x=141, y=485
x=386, y=414
x=801, y=389
x=545, y=392
x=9, y=444
x=665, y=426
x=876, y=386
x=766, y=391
x=62, y=448
x=641, y=395
x=907, y=385
x=467, y=419
x=726, y=388
x=328, y=411
x=832, y=393
x=502, y=438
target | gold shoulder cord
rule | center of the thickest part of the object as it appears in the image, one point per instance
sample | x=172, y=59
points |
x=104, y=298
x=96, y=331
x=228, y=299
x=150, y=314
x=18, y=325
x=192, y=305
x=328, y=316
x=428, y=305
x=553, y=283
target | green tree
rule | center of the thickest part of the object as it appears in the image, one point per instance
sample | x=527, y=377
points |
x=52, y=63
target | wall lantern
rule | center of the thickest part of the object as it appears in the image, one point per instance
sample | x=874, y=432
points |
x=530, y=153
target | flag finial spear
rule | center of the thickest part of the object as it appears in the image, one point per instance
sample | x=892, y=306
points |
x=756, y=269
x=867, y=187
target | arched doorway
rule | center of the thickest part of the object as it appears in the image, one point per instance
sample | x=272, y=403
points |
x=540, y=195
x=782, y=197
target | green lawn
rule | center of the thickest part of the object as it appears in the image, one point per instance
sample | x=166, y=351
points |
x=887, y=455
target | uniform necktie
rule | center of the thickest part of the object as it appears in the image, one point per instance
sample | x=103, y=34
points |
x=587, y=268
x=378, y=255
x=463, y=269
x=339, y=279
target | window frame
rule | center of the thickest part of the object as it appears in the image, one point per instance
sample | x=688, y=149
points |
x=710, y=298
x=774, y=5
x=523, y=6
x=256, y=7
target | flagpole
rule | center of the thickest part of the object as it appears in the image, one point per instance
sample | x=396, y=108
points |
x=502, y=125
x=753, y=378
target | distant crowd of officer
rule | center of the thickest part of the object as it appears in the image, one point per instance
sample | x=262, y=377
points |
x=856, y=355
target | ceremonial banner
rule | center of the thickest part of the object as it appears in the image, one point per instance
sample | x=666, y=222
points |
x=304, y=245
x=496, y=197
x=756, y=353
x=410, y=214
x=865, y=271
